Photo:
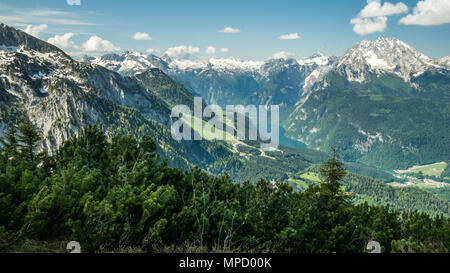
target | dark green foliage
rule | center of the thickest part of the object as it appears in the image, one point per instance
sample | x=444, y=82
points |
x=28, y=138
x=332, y=174
x=443, y=192
x=369, y=172
x=117, y=194
x=403, y=198
x=10, y=144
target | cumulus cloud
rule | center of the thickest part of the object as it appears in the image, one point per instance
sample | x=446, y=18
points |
x=182, y=51
x=291, y=36
x=63, y=41
x=373, y=17
x=282, y=55
x=35, y=30
x=429, y=13
x=230, y=30
x=210, y=50
x=363, y=26
x=97, y=44
x=74, y=2
x=375, y=9
x=224, y=50
x=142, y=36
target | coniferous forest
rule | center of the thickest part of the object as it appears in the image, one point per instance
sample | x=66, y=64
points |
x=118, y=195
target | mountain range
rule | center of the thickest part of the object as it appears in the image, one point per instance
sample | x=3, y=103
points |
x=383, y=104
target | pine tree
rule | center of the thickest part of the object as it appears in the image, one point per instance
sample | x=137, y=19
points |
x=28, y=139
x=333, y=173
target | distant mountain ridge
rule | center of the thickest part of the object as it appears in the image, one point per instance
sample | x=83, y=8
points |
x=226, y=81
x=386, y=67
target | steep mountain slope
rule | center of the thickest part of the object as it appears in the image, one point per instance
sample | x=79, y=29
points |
x=382, y=103
x=167, y=89
x=283, y=80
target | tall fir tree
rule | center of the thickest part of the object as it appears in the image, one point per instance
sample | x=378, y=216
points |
x=28, y=140
x=333, y=173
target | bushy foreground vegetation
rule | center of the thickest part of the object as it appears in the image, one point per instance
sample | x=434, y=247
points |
x=117, y=194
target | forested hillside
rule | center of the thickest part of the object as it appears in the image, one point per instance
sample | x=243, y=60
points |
x=117, y=194
x=373, y=125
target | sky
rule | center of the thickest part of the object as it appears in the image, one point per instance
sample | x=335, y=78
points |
x=249, y=29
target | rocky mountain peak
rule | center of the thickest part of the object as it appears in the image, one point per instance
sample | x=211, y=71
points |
x=384, y=55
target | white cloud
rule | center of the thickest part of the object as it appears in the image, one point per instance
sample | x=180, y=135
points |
x=365, y=26
x=282, y=55
x=35, y=30
x=375, y=9
x=152, y=50
x=373, y=17
x=142, y=36
x=210, y=50
x=182, y=51
x=429, y=13
x=97, y=44
x=63, y=41
x=74, y=2
x=291, y=36
x=230, y=30
x=224, y=50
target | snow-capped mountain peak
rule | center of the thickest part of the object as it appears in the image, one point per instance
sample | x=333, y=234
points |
x=384, y=55
x=129, y=63
x=318, y=58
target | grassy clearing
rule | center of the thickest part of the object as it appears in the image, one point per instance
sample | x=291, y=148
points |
x=435, y=169
x=310, y=176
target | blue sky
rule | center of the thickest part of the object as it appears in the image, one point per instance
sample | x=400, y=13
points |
x=96, y=26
